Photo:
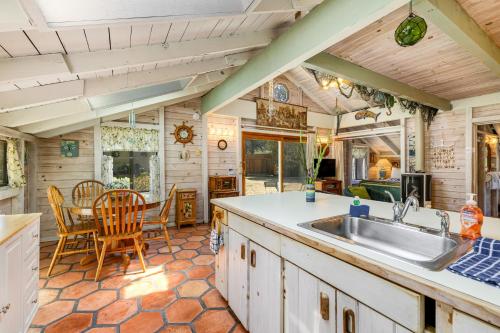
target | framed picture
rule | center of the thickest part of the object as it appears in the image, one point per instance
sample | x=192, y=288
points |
x=285, y=115
x=70, y=148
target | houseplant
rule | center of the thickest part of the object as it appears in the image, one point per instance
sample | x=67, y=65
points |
x=316, y=149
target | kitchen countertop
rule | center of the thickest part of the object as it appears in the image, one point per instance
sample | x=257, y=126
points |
x=282, y=212
x=10, y=225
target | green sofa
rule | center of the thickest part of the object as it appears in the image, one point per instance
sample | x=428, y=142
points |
x=376, y=190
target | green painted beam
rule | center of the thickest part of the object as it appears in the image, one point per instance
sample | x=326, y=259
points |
x=333, y=65
x=452, y=19
x=327, y=24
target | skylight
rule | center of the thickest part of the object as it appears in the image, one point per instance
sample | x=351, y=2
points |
x=100, y=102
x=69, y=13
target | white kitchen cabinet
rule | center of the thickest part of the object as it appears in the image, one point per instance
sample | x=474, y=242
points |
x=266, y=298
x=221, y=263
x=237, y=286
x=463, y=323
x=309, y=302
x=11, y=284
x=19, y=279
x=355, y=317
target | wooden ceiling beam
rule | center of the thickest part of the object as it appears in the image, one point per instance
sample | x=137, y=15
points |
x=452, y=19
x=32, y=68
x=328, y=23
x=336, y=66
x=29, y=97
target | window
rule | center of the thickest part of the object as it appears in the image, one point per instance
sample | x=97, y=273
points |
x=4, y=181
x=132, y=168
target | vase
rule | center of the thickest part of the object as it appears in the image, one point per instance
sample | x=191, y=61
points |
x=310, y=193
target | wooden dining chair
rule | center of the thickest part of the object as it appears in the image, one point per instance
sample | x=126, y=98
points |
x=88, y=188
x=119, y=215
x=161, y=220
x=67, y=229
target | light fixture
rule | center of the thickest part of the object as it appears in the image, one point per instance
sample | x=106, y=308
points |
x=327, y=81
x=411, y=30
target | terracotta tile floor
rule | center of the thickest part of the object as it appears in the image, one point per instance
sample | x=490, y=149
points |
x=175, y=295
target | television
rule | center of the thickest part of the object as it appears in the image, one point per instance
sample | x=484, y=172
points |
x=326, y=168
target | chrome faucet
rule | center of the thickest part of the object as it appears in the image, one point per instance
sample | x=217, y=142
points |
x=400, y=209
x=445, y=223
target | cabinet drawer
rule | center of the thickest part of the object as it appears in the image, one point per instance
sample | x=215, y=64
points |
x=261, y=235
x=399, y=304
x=31, y=239
x=185, y=196
x=30, y=306
x=31, y=269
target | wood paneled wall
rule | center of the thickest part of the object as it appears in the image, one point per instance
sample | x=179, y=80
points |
x=221, y=162
x=448, y=185
x=186, y=174
x=63, y=172
x=6, y=206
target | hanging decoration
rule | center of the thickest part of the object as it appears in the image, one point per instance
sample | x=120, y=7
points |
x=183, y=134
x=411, y=30
x=271, y=110
x=131, y=119
x=374, y=97
x=443, y=156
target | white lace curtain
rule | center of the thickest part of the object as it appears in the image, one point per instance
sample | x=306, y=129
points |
x=360, y=152
x=15, y=167
x=154, y=176
x=107, y=169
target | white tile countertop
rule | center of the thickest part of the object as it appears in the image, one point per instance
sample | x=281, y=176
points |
x=286, y=210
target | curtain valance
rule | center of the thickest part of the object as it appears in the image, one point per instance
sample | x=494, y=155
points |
x=129, y=139
x=359, y=152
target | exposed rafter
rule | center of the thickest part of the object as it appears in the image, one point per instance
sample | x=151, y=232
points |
x=452, y=19
x=327, y=24
x=24, y=98
x=333, y=65
x=312, y=94
x=55, y=65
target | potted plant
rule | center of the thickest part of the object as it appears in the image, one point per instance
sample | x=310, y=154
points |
x=315, y=151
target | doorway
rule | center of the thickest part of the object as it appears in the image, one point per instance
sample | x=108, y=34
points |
x=272, y=163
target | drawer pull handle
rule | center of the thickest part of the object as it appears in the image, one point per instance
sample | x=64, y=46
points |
x=5, y=309
x=349, y=321
x=34, y=301
x=34, y=268
x=253, y=258
x=324, y=302
x=243, y=251
x=34, y=235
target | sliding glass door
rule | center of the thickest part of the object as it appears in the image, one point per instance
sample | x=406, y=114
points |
x=272, y=163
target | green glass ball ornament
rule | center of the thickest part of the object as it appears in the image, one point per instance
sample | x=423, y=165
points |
x=410, y=31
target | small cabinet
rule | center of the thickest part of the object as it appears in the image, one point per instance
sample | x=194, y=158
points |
x=355, y=317
x=237, y=283
x=11, y=286
x=309, y=302
x=265, y=303
x=185, y=207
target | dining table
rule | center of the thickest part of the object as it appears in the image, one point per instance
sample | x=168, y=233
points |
x=83, y=207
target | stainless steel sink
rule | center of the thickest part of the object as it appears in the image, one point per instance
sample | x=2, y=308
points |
x=416, y=245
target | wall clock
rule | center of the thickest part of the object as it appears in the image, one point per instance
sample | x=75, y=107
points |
x=281, y=93
x=222, y=144
x=183, y=133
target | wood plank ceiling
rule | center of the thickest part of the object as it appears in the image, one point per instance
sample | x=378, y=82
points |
x=436, y=65
x=67, y=40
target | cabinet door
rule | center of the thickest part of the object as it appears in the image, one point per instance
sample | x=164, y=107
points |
x=221, y=263
x=463, y=323
x=237, y=279
x=309, y=303
x=266, y=299
x=355, y=317
x=11, y=279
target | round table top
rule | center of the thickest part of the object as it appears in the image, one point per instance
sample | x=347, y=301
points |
x=83, y=205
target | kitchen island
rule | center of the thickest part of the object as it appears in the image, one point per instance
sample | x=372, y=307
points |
x=278, y=275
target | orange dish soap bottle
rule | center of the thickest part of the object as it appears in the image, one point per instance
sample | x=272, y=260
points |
x=471, y=218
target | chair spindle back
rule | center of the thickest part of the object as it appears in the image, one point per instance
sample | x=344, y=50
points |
x=121, y=211
x=88, y=188
x=166, y=207
x=56, y=201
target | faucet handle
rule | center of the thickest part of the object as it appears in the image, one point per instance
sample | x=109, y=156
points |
x=445, y=223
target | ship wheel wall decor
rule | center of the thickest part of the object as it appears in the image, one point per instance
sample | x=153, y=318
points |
x=183, y=133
